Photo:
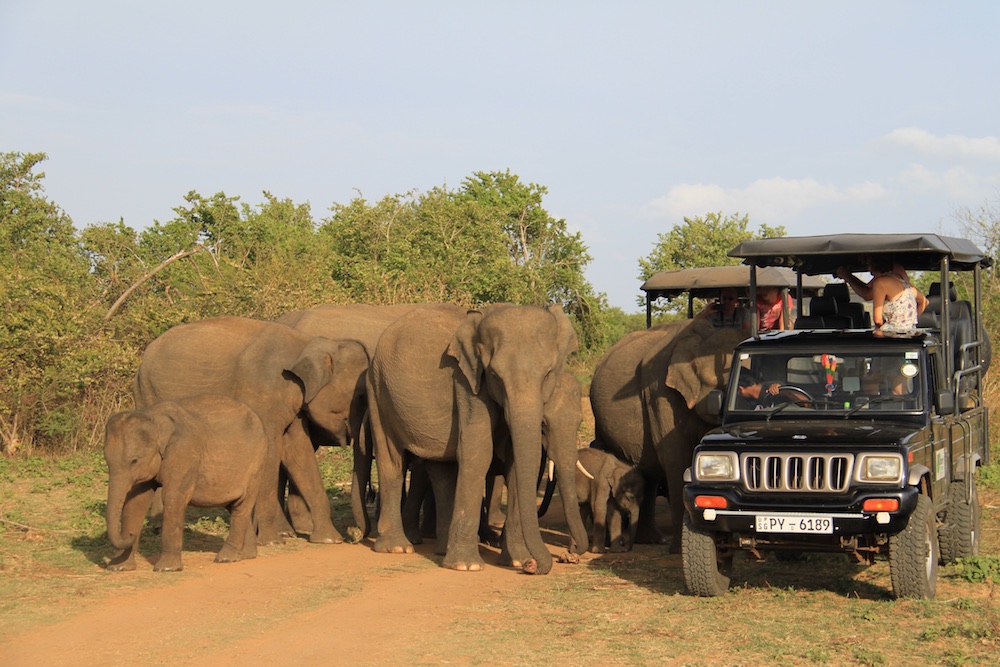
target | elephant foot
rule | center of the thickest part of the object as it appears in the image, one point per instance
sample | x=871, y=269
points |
x=228, y=555
x=464, y=560
x=534, y=566
x=268, y=537
x=326, y=535
x=390, y=546
x=465, y=567
x=675, y=545
x=122, y=566
x=168, y=563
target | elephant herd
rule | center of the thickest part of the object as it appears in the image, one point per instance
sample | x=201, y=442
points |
x=227, y=407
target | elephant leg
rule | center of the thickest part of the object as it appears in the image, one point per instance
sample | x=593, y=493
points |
x=463, y=535
x=361, y=476
x=133, y=516
x=442, y=476
x=615, y=521
x=492, y=520
x=647, y=532
x=299, y=458
x=175, y=502
x=298, y=519
x=599, y=533
x=417, y=491
x=390, y=463
x=240, y=521
x=267, y=507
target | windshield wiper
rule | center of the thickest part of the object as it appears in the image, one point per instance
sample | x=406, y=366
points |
x=873, y=401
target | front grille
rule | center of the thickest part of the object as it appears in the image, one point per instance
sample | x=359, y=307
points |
x=799, y=473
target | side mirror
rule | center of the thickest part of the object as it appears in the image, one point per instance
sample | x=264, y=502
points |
x=712, y=412
x=945, y=402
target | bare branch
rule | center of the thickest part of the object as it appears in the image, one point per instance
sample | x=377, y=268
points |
x=180, y=255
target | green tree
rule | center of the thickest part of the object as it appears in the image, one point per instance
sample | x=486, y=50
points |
x=698, y=242
x=50, y=347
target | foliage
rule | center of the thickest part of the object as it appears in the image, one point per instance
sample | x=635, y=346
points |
x=79, y=307
x=699, y=242
x=979, y=569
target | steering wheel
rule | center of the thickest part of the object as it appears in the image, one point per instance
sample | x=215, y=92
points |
x=786, y=393
x=798, y=390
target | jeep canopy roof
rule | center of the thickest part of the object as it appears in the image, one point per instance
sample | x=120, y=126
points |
x=707, y=281
x=815, y=255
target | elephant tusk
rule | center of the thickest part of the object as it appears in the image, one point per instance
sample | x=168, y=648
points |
x=552, y=470
x=583, y=470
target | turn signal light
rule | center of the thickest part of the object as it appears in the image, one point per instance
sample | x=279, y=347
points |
x=881, y=505
x=710, y=502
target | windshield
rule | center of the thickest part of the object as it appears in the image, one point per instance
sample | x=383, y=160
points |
x=846, y=383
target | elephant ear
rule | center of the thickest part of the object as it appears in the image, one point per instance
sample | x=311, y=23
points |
x=314, y=366
x=695, y=352
x=164, y=421
x=568, y=343
x=467, y=348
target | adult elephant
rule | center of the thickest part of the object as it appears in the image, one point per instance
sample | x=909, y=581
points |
x=447, y=384
x=647, y=395
x=284, y=375
x=364, y=323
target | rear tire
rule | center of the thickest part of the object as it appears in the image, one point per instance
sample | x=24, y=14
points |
x=706, y=574
x=960, y=534
x=913, y=554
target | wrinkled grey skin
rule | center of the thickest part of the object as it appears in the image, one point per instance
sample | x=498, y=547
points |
x=561, y=419
x=283, y=375
x=448, y=384
x=206, y=451
x=610, y=492
x=648, y=395
x=365, y=324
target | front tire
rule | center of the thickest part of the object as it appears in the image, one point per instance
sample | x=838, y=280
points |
x=960, y=535
x=913, y=554
x=706, y=574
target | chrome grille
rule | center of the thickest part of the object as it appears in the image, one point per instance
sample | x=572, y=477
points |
x=799, y=473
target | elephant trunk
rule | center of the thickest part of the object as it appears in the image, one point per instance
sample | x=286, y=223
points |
x=566, y=479
x=526, y=437
x=117, y=495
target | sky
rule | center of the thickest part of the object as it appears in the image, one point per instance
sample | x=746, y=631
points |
x=822, y=117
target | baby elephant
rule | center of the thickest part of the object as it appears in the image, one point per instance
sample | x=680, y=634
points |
x=206, y=451
x=610, y=493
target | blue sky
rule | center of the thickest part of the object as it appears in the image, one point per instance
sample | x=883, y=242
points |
x=822, y=117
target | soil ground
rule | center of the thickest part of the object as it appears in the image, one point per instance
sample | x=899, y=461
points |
x=322, y=604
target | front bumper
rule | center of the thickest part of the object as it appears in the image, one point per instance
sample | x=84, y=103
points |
x=849, y=519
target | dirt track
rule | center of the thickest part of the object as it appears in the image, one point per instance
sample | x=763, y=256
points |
x=324, y=604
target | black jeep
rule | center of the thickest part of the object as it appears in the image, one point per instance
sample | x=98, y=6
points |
x=840, y=438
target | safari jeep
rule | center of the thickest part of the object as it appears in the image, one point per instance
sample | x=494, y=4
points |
x=835, y=437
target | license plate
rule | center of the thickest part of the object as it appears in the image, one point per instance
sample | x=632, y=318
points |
x=795, y=523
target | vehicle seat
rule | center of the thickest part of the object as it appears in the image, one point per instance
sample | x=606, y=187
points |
x=823, y=314
x=860, y=318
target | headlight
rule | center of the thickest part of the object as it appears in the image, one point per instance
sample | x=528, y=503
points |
x=716, y=467
x=877, y=468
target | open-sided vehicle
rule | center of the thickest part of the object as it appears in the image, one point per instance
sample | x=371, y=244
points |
x=869, y=444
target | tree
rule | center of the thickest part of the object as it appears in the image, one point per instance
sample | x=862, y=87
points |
x=700, y=241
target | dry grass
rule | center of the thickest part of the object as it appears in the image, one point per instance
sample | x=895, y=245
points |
x=617, y=609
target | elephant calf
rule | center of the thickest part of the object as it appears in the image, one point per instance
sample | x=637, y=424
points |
x=206, y=451
x=610, y=492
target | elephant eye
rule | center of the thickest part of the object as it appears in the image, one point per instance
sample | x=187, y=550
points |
x=134, y=460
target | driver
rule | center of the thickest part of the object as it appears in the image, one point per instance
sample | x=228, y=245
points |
x=755, y=394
